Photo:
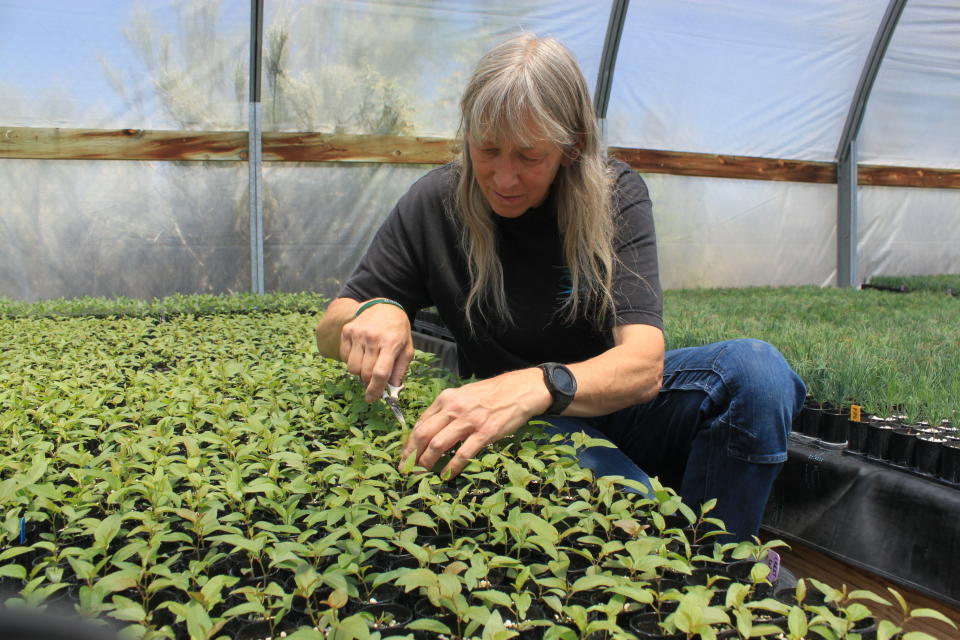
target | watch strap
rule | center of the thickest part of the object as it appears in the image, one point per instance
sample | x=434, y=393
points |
x=561, y=398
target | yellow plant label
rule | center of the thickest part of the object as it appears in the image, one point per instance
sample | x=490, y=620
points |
x=855, y=412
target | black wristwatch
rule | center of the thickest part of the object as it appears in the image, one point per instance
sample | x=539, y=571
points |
x=562, y=386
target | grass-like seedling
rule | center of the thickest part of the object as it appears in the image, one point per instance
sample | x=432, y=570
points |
x=865, y=347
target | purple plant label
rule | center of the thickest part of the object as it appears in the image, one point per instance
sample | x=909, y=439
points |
x=773, y=561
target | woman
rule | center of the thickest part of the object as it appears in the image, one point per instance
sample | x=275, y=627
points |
x=540, y=256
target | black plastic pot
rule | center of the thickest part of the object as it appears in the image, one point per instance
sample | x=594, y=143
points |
x=866, y=628
x=927, y=454
x=902, y=443
x=388, y=616
x=857, y=436
x=878, y=440
x=646, y=627
x=382, y=594
x=949, y=468
x=423, y=608
x=262, y=629
x=833, y=426
x=810, y=421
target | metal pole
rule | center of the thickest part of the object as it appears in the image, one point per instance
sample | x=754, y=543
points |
x=608, y=60
x=847, y=218
x=255, y=146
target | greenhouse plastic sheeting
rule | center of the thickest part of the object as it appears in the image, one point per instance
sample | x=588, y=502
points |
x=400, y=67
x=742, y=77
x=141, y=229
x=912, y=116
x=319, y=219
x=909, y=232
x=163, y=64
x=892, y=523
x=716, y=232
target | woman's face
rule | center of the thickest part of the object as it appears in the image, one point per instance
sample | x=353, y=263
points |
x=515, y=179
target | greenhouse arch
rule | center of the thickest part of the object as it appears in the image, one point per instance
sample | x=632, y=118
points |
x=712, y=188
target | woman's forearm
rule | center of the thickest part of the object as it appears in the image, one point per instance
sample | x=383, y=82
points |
x=339, y=312
x=629, y=373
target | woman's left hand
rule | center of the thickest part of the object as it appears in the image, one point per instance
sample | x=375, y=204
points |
x=476, y=414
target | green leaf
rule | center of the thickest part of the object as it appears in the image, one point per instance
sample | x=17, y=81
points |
x=254, y=546
x=494, y=628
x=13, y=571
x=931, y=613
x=493, y=596
x=416, y=578
x=450, y=585
x=900, y=601
x=886, y=630
x=244, y=609
x=559, y=632
x=212, y=591
x=797, y=622
x=863, y=594
x=426, y=624
x=107, y=530
x=83, y=569
x=352, y=628
x=117, y=581
x=578, y=614
x=198, y=621
x=128, y=610
x=13, y=552
x=589, y=583
x=421, y=519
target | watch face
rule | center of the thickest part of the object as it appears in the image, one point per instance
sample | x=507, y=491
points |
x=563, y=380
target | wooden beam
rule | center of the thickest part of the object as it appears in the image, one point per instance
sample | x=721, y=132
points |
x=877, y=176
x=139, y=144
x=724, y=166
x=325, y=147
x=121, y=144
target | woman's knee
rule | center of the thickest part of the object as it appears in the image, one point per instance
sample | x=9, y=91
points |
x=768, y=394
x=760, y=367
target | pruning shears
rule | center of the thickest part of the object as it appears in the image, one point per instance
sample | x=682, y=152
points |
x=391, y=395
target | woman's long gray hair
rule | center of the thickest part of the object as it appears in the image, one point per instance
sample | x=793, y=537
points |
x=524, y=91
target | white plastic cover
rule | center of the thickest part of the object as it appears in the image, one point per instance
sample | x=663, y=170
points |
x=142, y=229
x=389, y=68
x=400, y=67
x=714, y=232
x=116, y=64
x=319, y=219
x=913, y=115
x=741, y=77
x=745, y=77
x=909, y=232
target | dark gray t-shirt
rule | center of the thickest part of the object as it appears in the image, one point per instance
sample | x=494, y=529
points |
x=417, y=259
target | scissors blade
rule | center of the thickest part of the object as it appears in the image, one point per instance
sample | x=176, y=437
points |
x=395, y=407
x=391, y=397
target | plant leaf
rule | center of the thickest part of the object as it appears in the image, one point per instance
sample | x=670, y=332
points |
x=932, y=613
x=13, y=571
x=426, y=624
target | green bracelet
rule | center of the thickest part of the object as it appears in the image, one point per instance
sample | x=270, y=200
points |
x=366, y=305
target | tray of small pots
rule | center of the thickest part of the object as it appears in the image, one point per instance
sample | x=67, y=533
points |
x=920, y=448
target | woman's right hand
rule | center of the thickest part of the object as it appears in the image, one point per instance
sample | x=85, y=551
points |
x=377, y=345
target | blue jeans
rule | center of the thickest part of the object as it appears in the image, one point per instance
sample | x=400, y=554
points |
x=717, y=429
